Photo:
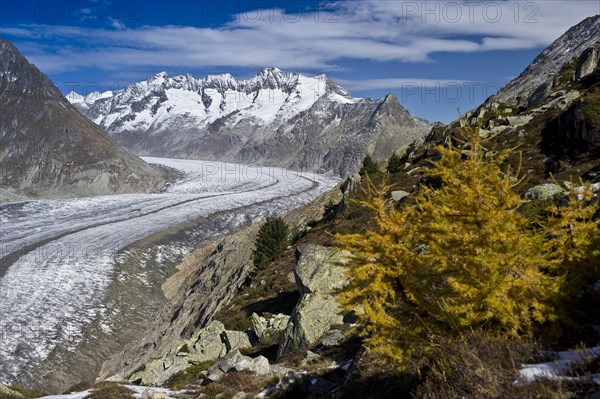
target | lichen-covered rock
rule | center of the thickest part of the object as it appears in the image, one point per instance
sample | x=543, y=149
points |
x=319, y=271
x=519, y=120
x=270, y=327
x=314, y=315
x=544, y=192
x=151, y=375
x=208, y=344
x=152, y=394
x=236, y=361
x=236, y=340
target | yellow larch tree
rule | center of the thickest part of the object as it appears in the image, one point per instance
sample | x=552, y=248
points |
x=462, y=257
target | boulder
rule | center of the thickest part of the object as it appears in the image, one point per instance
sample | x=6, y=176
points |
x=151, y=375
x=333, y=338
x=544, y=192
x=270, y=327
x=236, y=340
x=208, y=345
x=236, y=361
x=519, y=120
x=152, y=394
x=319, y=271
x=294, y=381
x=314, y=315
x=399, y=195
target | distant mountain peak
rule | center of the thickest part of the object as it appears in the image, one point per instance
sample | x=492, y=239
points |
x=275, y=117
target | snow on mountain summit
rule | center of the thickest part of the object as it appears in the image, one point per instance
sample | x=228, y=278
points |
x=275, y=117
x=270, y=94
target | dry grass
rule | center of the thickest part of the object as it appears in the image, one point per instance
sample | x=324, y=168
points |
x=25, y=393
x=480, y=365
x=238, y=381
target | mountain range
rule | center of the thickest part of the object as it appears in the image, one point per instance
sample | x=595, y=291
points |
x=275, y=118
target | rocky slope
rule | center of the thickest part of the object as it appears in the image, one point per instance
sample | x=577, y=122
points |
x=48, y=149
x=275, y=118
x=207, y=280
x=535, y=82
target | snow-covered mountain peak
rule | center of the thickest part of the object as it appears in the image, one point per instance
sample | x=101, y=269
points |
x=159, y=78
x=275, y=117
x=76, y=98
x=222, y=81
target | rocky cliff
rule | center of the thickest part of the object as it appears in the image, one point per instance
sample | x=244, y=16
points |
x=535, y=82
x=48, y=149
x=207, y=280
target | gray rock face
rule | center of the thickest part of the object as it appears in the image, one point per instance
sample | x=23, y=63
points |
x=318, y=269
x=399, y=195
x=546, y=66
x=236, y=339
x=588, y=62
x=236, y=361
x=48, y=149
x=271, y=327
x=318, y=272
x=208, y=344
x=276, y=118
x=207, y=279
x=211, y=343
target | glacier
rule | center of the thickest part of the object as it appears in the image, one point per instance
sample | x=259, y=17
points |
x=58, y=257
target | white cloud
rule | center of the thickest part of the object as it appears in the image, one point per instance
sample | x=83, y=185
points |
x=405, y=31
x=404, y=83
x=117, y=23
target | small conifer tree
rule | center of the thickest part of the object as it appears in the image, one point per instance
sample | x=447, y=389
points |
x=369, y=167
x=394, y=164
x=272, y=239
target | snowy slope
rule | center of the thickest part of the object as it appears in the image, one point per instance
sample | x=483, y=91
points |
x=58, y=257
x=270, y=97
x=275, y=118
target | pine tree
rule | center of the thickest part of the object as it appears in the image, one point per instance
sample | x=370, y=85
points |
x=272, y=239
x=463, y=257
x=369, y=167
x=394, y=164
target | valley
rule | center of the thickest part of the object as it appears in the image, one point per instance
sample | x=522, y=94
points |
x=60, y=258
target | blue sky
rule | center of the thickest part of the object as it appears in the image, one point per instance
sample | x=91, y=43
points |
x=436, y=56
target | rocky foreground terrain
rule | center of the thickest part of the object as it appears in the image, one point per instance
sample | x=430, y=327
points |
x=48, y=149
